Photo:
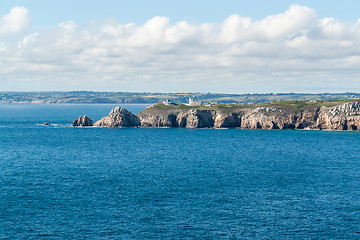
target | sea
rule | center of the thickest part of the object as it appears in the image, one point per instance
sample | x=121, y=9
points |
x=62, y=182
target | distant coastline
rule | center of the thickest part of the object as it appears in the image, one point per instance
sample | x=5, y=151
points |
x=89, y=97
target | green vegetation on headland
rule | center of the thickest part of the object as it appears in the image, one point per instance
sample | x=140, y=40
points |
x=286, y=105
x=295, y=105
x=148, y=98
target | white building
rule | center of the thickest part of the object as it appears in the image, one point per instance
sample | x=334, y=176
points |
x=167, y=102
x=192, y=102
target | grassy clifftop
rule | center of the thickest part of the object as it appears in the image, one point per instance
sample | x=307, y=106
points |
x=285, y=106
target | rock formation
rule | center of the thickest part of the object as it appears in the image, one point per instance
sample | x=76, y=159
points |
x=192, y=118
x=119, y=117
x=232, y=120
x=83, y=121
x=303, y=115
x=342, y=117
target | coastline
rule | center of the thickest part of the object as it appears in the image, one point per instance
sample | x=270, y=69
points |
x=310, y=115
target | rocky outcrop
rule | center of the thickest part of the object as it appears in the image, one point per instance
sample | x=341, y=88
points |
x=231, y=120
x=83, y=121
x=158, y=121
x=310, y=115
x=192, y=118
x=342, y=117
x=195, y=119
x=119, y=117
x=281, y=120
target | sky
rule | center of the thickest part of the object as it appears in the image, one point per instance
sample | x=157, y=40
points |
x=228, y=46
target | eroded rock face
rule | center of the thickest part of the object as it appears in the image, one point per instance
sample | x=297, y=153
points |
x=193, y=118
x=157, y=121
x=83, y=121
x=342, y=117
x=196, y=119
x=231, y=120
x=119, y=117
x=260, y=120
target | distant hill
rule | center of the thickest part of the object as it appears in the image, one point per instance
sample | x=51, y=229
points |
x=143, y=97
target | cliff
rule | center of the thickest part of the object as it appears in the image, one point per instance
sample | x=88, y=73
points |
x=331, y=115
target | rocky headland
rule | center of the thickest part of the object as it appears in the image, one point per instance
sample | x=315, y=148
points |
x=327, y=115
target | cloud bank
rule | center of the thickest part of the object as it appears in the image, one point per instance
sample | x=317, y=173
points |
x=292, y=51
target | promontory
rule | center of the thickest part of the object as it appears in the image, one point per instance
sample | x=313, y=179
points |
x=327, y=115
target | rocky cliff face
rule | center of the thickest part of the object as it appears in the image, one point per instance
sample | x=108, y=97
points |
x=231, y=120
x=345, y=116
x=195, y=119
x=342, y=117
x=192, y=118
x=257, y=118
x=83, y=121
x=280, y=120
x=119, y=117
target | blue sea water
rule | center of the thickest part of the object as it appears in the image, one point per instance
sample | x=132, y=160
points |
x=59, y=182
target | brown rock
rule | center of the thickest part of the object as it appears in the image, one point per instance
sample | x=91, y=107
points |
x=83, y=121
x=119, y=117
x=227, y=121
x=341, y=117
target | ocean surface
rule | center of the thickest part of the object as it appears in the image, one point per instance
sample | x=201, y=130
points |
x=60, y=182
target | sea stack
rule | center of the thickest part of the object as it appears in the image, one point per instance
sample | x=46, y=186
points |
x=83, y=121
x=119, y=117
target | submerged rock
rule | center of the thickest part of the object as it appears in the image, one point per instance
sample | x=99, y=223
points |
x=83, y=121
x=119, y=117
x=46, y=123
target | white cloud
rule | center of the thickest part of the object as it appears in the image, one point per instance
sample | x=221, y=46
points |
x=293, y=21
x=291, y=51
x=15, y=21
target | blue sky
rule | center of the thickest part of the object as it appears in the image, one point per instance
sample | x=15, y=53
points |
x=183, y=46
x=50, y=13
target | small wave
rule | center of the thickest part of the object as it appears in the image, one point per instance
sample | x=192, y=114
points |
x=308, y=129
x=53, y=125
x=43, y=125
x=85, y=127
